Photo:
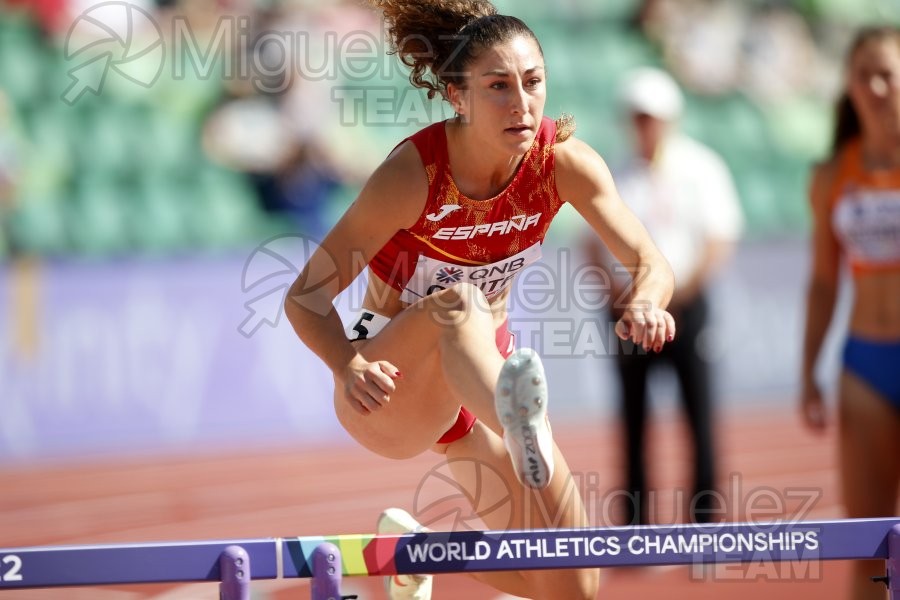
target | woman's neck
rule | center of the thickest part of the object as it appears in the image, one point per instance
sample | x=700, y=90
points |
x=881, y=149
x=479, y=172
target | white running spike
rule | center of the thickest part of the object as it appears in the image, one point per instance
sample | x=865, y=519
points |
x=523, y=413
x=403, y=587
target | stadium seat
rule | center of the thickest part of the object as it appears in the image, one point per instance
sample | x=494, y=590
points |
x=224, y=211
x=36, y=226
x=95, y=218
x=21, y=69
x=158, y=217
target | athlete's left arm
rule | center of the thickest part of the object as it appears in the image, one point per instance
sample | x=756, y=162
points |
x=584, y=181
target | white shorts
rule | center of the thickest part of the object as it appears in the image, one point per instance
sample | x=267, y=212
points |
x=366, y=325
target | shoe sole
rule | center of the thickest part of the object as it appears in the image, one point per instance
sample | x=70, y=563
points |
x=521, y=405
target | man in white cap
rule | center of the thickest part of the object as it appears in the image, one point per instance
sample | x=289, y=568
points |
x=684, y=194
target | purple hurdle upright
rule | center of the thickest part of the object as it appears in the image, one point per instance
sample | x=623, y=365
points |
x=234, y=566
x=893, y=562
x=326, y=572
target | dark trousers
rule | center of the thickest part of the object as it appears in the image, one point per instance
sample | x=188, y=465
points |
x=693, y=372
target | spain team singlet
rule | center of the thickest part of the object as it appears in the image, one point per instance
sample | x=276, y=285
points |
x=482, y=242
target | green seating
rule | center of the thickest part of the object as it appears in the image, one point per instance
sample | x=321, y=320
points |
x=224, y=211
x=157, y=216
x=22, y=68
x=36, y=226
x=95, y=218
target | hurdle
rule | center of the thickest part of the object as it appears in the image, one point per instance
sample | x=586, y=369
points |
x=325, y=560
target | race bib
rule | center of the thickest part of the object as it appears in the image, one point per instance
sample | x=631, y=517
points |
x=432, y=275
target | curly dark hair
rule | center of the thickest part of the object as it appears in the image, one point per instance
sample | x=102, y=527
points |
x=439, y=39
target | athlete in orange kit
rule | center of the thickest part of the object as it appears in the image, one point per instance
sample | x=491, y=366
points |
x=855, y=197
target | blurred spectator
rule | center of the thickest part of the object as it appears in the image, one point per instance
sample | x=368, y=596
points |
x=778, y=55
x=51, y=15
x=715, y=47
x=701, y=41
x=278, y=125
x=684, y=195
x=855, y=197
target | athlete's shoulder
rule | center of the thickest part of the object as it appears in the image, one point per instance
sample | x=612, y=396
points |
x=581, y=173
x=403, y=166
x=398, y=188
x=573, y=155
x=823, y=180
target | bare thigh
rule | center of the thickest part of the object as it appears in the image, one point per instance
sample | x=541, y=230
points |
x=425, y=404
x=869, y=450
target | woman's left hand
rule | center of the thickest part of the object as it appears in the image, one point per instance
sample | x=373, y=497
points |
x=646, y=326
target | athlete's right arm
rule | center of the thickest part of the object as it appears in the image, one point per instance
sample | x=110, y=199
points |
x=821, y=293
x=392, y=199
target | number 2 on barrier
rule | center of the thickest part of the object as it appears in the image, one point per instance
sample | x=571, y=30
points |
x=10, y=568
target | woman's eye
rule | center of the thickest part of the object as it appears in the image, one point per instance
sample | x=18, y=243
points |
x=534, y=82
x=498, y=85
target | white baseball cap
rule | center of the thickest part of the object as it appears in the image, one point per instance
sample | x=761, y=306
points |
x=653, y=92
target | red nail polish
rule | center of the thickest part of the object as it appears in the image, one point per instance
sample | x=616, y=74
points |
x=398, y=374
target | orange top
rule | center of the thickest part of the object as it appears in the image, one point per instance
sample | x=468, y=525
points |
x=458, y=239
x=865, y=209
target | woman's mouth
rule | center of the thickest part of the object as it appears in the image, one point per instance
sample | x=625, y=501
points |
x=518, y=130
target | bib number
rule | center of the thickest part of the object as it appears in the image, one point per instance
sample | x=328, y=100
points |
x=360, y=328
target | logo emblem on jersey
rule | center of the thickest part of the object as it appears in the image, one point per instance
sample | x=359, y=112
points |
x=445, y=210
x=449, y=275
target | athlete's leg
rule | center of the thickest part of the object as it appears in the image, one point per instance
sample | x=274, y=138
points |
x=444, y=346
x=559, y=505
x=870, y=467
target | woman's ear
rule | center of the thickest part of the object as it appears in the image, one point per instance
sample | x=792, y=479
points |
x=456, y=96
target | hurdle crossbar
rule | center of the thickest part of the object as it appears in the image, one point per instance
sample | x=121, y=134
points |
x=232, y=563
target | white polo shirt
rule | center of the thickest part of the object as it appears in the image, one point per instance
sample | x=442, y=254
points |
x=685, y=199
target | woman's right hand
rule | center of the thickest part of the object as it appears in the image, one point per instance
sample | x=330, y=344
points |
x=812, y=407
x=368, y=385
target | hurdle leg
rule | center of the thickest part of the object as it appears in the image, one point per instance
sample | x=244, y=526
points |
x=326, y=568
x=234, y=566
x=893, y=562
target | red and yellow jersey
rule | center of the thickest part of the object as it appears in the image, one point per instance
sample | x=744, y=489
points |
x=866, y=212
x=458, y=239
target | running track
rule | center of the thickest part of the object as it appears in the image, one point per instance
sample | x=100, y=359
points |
x=307, y=491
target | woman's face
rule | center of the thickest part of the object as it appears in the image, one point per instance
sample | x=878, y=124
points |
x=874, y=84
x=649, y=134
x=504, y=97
